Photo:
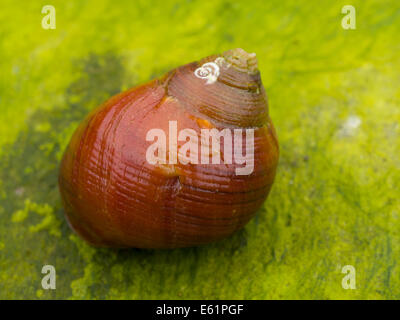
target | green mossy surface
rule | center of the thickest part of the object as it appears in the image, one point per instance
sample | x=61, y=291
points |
x=334, y=98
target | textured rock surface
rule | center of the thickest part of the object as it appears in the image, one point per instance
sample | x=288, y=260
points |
x=335, y=100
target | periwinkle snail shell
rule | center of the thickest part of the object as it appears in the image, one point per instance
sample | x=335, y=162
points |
x=113, y=197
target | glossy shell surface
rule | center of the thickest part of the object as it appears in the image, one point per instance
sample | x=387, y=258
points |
x=113, y=197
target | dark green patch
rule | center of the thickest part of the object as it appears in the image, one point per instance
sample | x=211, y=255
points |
x=29, y=172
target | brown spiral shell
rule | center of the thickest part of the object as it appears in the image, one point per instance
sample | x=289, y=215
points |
x=113, y=197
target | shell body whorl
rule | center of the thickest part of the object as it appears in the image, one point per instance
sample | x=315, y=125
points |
x=114, y=197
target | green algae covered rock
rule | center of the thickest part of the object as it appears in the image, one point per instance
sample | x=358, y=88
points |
x=334, y=97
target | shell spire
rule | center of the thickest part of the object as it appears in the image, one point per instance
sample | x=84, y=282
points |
x=241, y=60
x=226, y=89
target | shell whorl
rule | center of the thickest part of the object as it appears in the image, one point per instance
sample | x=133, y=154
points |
x=225, y=89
